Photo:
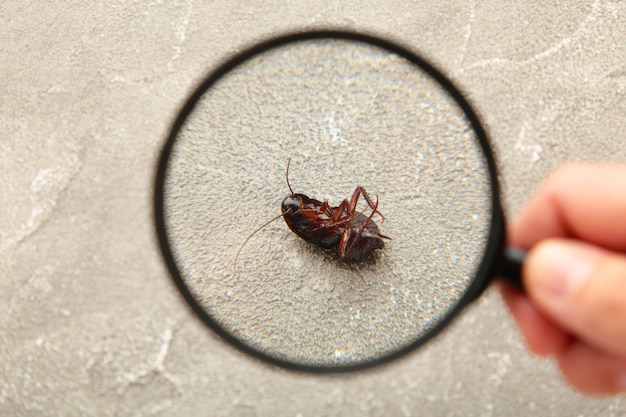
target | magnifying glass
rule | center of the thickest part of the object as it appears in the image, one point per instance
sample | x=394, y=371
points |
x=346, y=110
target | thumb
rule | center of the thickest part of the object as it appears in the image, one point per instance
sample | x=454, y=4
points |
x=581, y=288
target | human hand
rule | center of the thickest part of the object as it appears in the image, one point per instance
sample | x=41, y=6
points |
x=574, y=308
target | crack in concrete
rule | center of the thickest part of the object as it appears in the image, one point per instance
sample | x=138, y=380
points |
x=47, y=188
x=578, y=33
x=528, y=148
x=166, y=337
x=180, y=32
x=468, y=33
x=503, y=363
x=156, y=367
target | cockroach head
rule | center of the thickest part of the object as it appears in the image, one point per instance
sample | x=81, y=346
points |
x=291, y=204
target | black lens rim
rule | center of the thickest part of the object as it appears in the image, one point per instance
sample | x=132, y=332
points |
x=495, y=243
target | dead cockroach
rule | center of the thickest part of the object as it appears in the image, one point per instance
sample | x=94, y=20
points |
x=341, y=231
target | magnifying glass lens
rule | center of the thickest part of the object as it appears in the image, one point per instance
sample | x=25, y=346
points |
x=347, y=110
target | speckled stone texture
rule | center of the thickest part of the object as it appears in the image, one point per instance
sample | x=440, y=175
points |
x=91, y=323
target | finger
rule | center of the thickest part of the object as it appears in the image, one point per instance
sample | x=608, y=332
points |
x=542, y=335
x=586, y=368
x=592, y=371
x=581, y=288
x=581, y=201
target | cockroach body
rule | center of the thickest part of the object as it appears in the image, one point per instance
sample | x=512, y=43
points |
x=341, y=231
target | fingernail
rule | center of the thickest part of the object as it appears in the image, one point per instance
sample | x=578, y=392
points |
x=565, y=266
x=621, y=382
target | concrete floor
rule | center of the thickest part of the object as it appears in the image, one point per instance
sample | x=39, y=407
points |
x=92, y=324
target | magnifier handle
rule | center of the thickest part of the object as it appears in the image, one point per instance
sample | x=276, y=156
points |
x=510, y=268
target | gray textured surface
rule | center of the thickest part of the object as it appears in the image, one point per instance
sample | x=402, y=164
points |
x=91, y=323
